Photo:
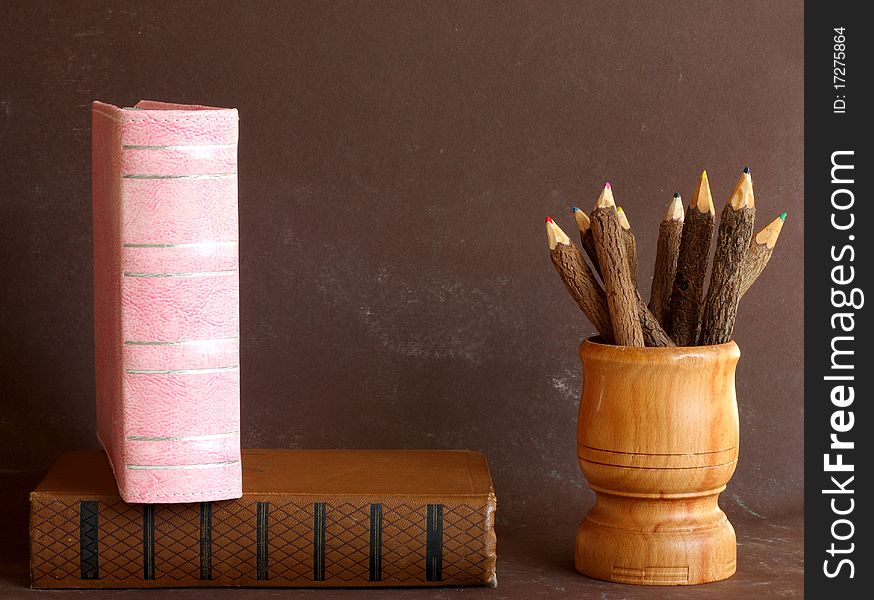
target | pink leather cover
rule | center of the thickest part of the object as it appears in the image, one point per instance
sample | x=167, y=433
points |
x=166, y=300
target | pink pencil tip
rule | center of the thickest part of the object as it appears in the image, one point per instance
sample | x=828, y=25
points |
x=608, y=186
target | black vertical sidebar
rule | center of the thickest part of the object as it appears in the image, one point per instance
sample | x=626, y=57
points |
x=837, y=220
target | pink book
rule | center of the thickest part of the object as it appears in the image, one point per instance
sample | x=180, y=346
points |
x=166, y=300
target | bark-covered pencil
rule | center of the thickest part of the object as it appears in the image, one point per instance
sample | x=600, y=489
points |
x=760, y=252
x=687, y=295
x=579, y=280
x=733, y=241
x=630, y=244
x=586, y=239
x=667, y=251
x=611, y=250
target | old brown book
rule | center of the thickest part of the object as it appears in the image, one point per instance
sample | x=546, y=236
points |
x=306, y=518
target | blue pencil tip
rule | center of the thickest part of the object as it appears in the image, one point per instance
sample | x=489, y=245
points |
x=747, y=170
x=576, y=209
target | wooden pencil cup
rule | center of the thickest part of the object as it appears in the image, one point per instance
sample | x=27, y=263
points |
x=657, y=441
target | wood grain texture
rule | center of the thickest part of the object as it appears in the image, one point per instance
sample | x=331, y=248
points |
x=732, y=245
x=657, y=441
x=621, y=296
x=688, y=291
x=579, y=280
x=665, y=270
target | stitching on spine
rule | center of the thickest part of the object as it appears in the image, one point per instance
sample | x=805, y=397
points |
x=155, y=496
x=157, y=119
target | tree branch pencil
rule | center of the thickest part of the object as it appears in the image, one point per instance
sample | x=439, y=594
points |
x=579, y=280
x=667, y=251
x=687, y=294
x=732, y=245
x=586, y=239
x=611, y=250
x=653, y=333
x=630, y=244
x=760, y=253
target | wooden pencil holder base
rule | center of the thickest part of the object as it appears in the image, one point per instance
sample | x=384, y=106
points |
x=657, y=441
x=613, y=545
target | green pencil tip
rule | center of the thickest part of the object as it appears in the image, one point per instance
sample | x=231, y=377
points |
x=783, y=217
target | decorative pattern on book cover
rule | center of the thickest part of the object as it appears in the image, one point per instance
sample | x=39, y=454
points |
x=166, y=299
x=350, y=518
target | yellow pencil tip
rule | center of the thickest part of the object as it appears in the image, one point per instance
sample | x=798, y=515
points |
x=623, y=220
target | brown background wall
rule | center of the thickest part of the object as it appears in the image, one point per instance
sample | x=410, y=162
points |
x=396, y=164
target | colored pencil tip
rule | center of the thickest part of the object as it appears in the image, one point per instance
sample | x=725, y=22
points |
x=676, y=194
x=769, y=234
x=702, y=200
x=555, y=235
x=623, y=220
x=675, y=209
x=747, y=170
x=582, y=220
x=605, y=199
x=742, y=196
x=608, y=186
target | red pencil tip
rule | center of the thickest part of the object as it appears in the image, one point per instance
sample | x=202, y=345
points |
x=608, y=186
x=549, y=219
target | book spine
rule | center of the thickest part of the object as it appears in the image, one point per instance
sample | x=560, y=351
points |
x=166, y=290
x=276, y=541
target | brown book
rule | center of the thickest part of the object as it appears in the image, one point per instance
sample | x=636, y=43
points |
x=307, y=518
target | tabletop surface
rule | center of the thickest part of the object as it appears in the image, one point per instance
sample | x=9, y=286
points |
x=535, y=560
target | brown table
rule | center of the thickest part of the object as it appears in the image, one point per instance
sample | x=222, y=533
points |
x=535, y=560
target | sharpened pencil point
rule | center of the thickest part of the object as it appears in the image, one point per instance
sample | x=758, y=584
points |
x=623, y=220
x=582, y=220
x=555, y=235
x=608, y=186
x=605, y=200
x=742, y=196
x=549, y=219
x=769, y=234
x=747, y=170
x=675, y=209
x=676, y=194
x=703, y=200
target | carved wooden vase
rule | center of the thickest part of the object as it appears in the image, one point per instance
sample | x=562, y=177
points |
x=657, y=441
